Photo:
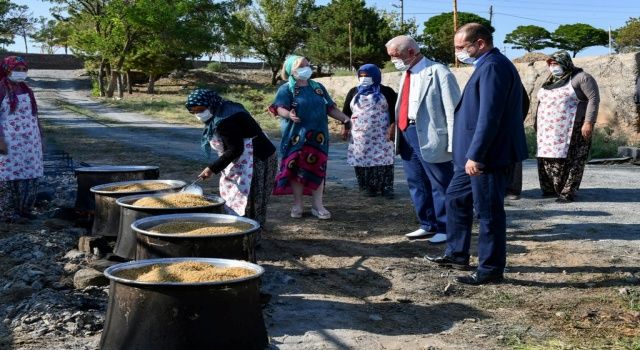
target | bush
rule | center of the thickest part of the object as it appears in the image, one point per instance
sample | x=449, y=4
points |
x=217, y=67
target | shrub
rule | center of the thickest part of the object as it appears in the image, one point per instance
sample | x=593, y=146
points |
x=217, y=67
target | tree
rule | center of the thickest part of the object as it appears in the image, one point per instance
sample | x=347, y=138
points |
x=576, y=37
x=6, y=26
x=273, y=29
x=438, y=35
x=22, y=23
x=529, y=38
x=45, y=35
x=627, y=38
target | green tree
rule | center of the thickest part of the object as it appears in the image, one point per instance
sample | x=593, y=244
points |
x=45, y=35
x=438, y=35
x=576, y=37
x=529, y=38
x=627, y=38
x=7, y=26
x=273, y=29
x=22, y=23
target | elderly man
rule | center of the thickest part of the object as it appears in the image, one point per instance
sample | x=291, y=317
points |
x=422, y=133
x=488, y=138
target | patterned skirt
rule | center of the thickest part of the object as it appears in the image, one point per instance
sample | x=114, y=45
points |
x=17, y=197
x=375, y=179
x=264, y=171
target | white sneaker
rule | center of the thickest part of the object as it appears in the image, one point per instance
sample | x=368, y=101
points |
x=419, y=233
x=438, y=238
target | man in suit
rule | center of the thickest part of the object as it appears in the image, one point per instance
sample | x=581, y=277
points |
x=488, y=137
x=422, y=133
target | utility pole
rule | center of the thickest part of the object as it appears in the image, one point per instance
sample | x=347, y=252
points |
x=491, y=14
x=401, y=7
x=455, y=25
x=350, y=49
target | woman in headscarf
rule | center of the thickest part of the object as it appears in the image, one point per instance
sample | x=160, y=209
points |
x=21, y=161
x=246, y=157
x=371, y=107
x=303, y=106
x=567, y=110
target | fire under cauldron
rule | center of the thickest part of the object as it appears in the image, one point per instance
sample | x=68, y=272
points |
x=88, y=177
x=237, y=245
x=107, y=213
x=126, y=242
x=174, y=315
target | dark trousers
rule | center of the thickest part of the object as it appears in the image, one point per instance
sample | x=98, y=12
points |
x=514, y=179
x=485, y=194
x=427, y=182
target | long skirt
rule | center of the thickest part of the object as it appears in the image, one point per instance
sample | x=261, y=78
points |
x=264, y=173
x=375, y=179
x=562, y=176
x=17, y=198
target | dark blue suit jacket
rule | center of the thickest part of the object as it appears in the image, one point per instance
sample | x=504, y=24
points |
x=488, y=125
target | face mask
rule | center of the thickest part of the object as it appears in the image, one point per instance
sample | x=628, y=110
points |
x=204, y=116
x=399, y=64
x=18, y=76
x=365, y=81
x=303, y=73
x=556, y=70
x=463, y=56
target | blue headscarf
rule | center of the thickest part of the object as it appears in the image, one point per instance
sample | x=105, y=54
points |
x=372, y=71
x=219, y=107
x=288, y=69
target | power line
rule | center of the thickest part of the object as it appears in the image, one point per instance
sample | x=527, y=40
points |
x=531, y=19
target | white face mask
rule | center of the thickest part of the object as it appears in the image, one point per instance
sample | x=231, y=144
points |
x=18, y=76
x=556, y=70
x=365, y=81
x=303, y=73
x=399, y=64
x=463, y=56
x=204, y=116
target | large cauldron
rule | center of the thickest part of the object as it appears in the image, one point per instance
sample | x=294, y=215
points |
x=126, y=243
x=107, y=215
x=172, y=315
x=98, y=175
x=238, y=245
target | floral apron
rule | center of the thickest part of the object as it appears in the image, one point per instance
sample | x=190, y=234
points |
x=556, y=115
x=235, y=179
x=22, y=135
x=368, y=145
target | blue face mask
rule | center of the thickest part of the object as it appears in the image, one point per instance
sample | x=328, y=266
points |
x=365, y=81
x=303, y=73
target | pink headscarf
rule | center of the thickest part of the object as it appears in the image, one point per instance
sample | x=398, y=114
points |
x=12, y=89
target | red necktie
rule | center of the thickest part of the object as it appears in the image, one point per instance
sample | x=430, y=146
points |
x=403, y=116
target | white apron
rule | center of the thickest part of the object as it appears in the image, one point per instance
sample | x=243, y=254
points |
x=368, y=145
x=556, y=115
x=22, y=135
x=235, y=179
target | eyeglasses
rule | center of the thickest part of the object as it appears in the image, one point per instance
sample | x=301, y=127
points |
x=460, y=48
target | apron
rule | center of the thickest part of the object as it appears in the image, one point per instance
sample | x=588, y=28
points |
x=368, y=145
x=556, y=115
x=22, y=135
x=235, y=179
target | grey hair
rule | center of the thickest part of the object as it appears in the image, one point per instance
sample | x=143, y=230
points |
x=403, y=43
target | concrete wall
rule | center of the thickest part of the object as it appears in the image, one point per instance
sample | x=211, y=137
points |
x=615, y=75
x=44, y=61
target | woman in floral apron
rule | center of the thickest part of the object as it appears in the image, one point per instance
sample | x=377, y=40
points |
x=20, y=142
x=246, y=157
x=567, y=110
x=371, y=107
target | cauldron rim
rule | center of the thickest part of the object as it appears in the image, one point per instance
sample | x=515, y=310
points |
x=193, y=217
x=114, y=168
x=110, y=271
x=122, y=201
x=98, y=189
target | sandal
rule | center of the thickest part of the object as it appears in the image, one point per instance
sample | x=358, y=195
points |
x=296, y=212
x=322, y=214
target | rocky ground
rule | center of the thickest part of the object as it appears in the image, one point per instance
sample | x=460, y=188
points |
x=352, y=282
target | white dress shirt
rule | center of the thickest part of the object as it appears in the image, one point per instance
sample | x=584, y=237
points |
x=414, y=88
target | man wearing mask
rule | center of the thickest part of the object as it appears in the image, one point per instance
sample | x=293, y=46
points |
x=488, y=137
x=428, y=93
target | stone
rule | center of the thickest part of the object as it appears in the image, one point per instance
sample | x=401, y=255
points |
x=56, y=224
x=74, y=254
x=71, y=268
x=101, y=264
x=87, y=244
x=89, y=277
x=631, y=152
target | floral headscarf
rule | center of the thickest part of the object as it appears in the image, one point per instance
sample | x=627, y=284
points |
x=372, y=71
x=12, y=89
x=564, y=60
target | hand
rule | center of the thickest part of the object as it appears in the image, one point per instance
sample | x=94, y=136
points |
x=3, y=146
x=293, y=116
x=391, y=132
x=587, y=130
x=473, y=168
x=206, y=173
x=345, y=132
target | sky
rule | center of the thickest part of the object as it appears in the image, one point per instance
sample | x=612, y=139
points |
x=507, y=15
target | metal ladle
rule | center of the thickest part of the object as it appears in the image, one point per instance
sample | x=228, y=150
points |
x=192, y=188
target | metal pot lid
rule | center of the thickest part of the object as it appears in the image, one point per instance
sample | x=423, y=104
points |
x=100, y=189
x=115, y=168
x=111, y=272
x=125, y=202
x=141, y=225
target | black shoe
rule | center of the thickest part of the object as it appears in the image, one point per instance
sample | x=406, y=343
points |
x=478, y=278
x=449, y=261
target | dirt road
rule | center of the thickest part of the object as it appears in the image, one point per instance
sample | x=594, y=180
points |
x=354, y=282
